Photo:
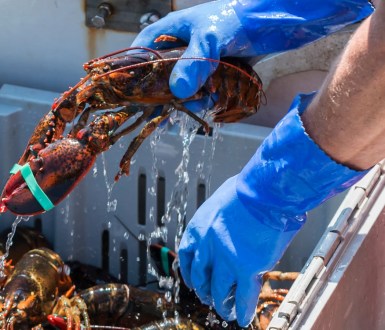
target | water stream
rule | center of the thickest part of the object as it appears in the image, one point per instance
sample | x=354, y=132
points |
x=176, y=207
x=9, y=242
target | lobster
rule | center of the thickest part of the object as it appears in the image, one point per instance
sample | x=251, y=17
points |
x=135, y=84
x=120, y=306
x=270, y=299
x=32, y=289
x=109, y=304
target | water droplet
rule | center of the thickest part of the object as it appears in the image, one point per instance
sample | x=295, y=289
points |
x=152, y=191
x=166, y=282
x=111, y=205
x=95, y=171
x=212, y=319
x=168, y=296
x=141, y=237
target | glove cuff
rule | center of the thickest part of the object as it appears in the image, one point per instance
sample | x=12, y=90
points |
x=274, y=26
x=289, y=173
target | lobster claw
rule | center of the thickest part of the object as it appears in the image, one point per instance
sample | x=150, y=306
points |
x=57, y=321
x=54, y=172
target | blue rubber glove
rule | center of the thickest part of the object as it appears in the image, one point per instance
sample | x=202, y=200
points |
x=246, y=28
x=243, y=229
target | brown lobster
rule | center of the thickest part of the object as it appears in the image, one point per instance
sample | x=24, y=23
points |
x=133, y=84
x=110, y=304
x=32, y=289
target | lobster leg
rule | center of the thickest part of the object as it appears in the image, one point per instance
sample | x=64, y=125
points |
x=82, y=121
x=84, y=116
x=137, y=142
x=182, y=108
x=146, y=113
x=147, y=130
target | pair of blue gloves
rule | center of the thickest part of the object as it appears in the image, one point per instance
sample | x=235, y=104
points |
x=242, y=230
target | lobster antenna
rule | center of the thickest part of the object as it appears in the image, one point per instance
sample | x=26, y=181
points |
x=172, y=59
x=65, y=94
x=157, y=54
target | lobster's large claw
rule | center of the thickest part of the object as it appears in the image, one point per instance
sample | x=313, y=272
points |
x=57, y=169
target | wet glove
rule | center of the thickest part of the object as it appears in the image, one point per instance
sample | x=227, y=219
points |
x=246, y=28
x=243, y=229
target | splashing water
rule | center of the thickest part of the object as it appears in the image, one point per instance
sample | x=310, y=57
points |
x=158, y=232
x=111, y=204
x=65, y=211
x=215, y=139
x=9, y=242
x=154, y=168
x=175, y=266
x=178, y=201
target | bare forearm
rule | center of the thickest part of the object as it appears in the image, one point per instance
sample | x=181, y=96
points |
x=347, y=117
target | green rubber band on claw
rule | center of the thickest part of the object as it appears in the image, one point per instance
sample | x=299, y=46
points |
x=164, y=257
x=33, y=186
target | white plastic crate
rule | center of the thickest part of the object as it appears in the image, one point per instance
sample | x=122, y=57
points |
x=112, y=230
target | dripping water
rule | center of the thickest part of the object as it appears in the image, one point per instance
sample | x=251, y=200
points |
x=9, y=242
x=154, y=168
x=177, y=204
x=65, y=211
x=111, y=203
x=178, y=201
x=159, y=232
x=215, y=139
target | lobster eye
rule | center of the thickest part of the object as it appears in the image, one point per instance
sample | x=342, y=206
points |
x=106, y=68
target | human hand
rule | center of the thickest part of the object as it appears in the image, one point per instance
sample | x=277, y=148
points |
x=245, y=28
x=225, y=251
x=243, y=229
x=211, y=30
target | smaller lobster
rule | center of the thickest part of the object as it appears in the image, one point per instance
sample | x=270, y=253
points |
x=270, y=299
x=131, y=84
x=105, y=302
x=32, y=289
x=111, y=304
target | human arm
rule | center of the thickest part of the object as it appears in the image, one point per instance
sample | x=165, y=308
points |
x=245, y=28
x=243, y=229
x=347, y=117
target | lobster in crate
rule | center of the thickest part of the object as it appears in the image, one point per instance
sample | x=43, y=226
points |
x=117, y=88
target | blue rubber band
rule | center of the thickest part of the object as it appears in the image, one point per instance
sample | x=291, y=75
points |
x=164, y=257
x=33, y=186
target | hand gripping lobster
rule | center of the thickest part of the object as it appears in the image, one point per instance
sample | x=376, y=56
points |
x=116, y=88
